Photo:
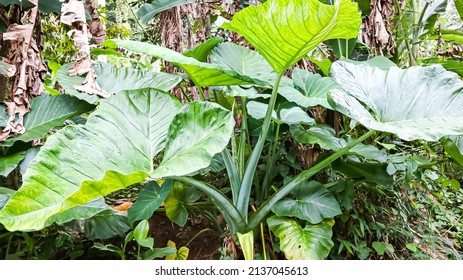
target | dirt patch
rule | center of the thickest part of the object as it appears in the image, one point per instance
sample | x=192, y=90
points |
x=198, y=235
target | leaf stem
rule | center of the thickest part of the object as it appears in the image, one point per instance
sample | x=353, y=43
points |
x=246, y=184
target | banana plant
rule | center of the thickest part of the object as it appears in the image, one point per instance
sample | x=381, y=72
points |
x=117, y=145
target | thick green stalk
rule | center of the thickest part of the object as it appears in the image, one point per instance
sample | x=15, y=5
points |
x=243, y=137
x=272, y=157
x=246, y=183
x=233, y=218
x=266, y=207
x=233, y=175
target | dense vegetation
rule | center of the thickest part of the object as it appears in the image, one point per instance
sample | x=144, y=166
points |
x=278, y=129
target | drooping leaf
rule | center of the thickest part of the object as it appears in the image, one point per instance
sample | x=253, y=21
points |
x=24, y=3
x=198, y=132
x=284, y=31
x=453, y=145
x=149, y=200
x=312, y=202
x=449, y=36
x=175, y=202
x=79, y=163
x=114, y=80
x=81, y=212
x=50, y=6
x=10, y=162
x=48, y=112
x=416, y=103
x=201, y=52
x=313, y=242
x=370, y=172
x=325, y=137
x=313, y=89
x=148, y=11
x=428, y=17
x=449, y=64
x=201, y=73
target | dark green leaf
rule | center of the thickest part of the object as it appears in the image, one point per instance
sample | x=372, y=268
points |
x=149, y=199
x=201, y=51
x=10, y=162
x=175, y=202
x=370, y=172
x=312, y=202
x=158, y=253
x=48, y=112
x=342, y=47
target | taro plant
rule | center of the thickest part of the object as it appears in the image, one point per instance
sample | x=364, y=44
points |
x=141, y=122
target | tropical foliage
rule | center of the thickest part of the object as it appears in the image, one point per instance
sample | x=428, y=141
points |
x=287, y=128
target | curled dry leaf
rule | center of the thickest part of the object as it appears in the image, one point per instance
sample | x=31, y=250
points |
x=96, y=27
x=73, y=13
x=377, y=25
x=27, y=71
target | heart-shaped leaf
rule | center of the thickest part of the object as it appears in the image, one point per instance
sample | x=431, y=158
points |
x=415, y=103
x=284, y=31
x=313, y=242
x=79, y=163
x=149, y=199
x=198, y=132
x=175, y=202
x=312, y=202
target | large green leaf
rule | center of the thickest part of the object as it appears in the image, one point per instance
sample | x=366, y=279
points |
x=313, y=242
x=243, y=61
x=312, y=89
x=79, y=163
x=10, y=162
x=176, y=201
x=284, y=31
x=148, y=11
x=201, y=51
x=312, y=202
x=201, y=73
x=113, y=80
x=198, y=132
x=149, y=200
x=325, y=137
x=370, y=172
x=415, y=103
x=48, y=112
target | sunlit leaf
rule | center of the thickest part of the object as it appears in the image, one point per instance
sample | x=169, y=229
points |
x=284, y=31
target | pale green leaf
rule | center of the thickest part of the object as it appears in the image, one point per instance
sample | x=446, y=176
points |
x=415, y=103
x=284, y=31
x=198, y=132
x=148, y=11
x=312, y=89
x=114, y=80
x=313, y=242
x=79, y=163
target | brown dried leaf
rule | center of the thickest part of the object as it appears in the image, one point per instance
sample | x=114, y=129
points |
x=96, y=27
x=90, y=86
